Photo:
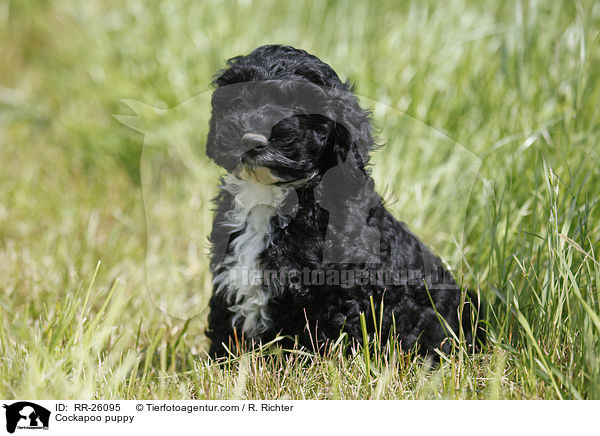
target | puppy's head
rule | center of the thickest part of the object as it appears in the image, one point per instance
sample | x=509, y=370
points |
x=281, y=115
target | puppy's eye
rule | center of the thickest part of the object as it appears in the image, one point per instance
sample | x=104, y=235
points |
x=223, y=105
x=224, y=98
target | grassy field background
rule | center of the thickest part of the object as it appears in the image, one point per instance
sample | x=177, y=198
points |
x=490, y=115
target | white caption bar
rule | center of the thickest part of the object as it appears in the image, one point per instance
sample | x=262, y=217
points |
x=23, y=417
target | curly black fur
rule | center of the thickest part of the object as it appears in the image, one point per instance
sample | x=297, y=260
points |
x=313, y=122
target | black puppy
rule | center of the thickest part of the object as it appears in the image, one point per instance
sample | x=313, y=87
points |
x=302, y=244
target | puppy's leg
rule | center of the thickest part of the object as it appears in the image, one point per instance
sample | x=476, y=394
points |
x=220, y=330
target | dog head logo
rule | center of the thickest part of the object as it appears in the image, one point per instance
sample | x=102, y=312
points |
x=26, y=415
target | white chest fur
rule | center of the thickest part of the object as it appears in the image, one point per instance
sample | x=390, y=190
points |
x=254, y=206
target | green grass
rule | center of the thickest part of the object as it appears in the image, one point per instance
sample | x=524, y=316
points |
x=489, y=111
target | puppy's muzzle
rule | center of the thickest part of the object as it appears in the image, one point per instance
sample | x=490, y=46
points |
x=247, y=169
x=254, y=141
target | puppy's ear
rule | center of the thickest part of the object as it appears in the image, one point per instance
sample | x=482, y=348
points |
x=352, y=132
x=210, y=139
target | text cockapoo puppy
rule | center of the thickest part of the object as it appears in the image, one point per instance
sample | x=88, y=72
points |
x=302, y=244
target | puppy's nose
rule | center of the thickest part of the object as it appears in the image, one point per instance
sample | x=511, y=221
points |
x=252, y=141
